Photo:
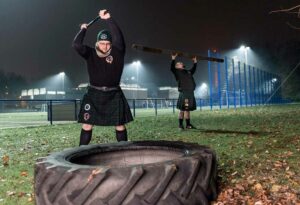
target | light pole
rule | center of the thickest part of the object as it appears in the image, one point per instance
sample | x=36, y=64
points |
x=62, y=74
x=245, y=50
x=137, y=66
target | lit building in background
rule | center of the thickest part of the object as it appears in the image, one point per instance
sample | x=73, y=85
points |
x=168, y=92
x=131, y=91
x=42, y=94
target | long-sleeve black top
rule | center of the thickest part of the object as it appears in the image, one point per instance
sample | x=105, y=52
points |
x=102, y=71
x=184, y=77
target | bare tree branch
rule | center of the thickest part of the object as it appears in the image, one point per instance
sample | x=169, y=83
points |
x=286, y=10
x=292, y=12
x=289, y=11
x=292, y=26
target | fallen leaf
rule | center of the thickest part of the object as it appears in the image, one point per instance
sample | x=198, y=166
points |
x=258, y=203
x=93, y=174
x=10, y=193
x=234, y=173
x=5, y=160
x=21, y=194
x=250, y=180
x=275, y=188
x=258, y=187
x=240, y=187
x=24, y=174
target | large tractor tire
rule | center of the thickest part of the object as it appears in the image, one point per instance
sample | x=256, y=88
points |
x=129, y=173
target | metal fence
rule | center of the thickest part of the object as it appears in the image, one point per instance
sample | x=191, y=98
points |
x=19, y=113
x=38, y=112
x=235, y=84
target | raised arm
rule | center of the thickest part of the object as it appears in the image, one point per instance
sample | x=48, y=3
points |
x=117, y=35
x=77, y=44
x=173, y=56
x=193, y=69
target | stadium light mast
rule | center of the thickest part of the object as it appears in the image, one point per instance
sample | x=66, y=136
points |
x=245, y=49
x=62, y=74
x=136, y=65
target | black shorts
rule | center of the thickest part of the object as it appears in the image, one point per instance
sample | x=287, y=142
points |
x=186, y=101
x=106, y=108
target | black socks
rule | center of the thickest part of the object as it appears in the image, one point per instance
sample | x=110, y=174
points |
x=180, y=122
x=188, y=122
x=85, y=137
x=121, y=135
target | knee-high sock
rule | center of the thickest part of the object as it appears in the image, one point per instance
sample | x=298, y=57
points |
x=121, y=135
x=85, y=137
x=180, y=122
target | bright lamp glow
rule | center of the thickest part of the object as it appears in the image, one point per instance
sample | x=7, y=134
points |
x=204, y=85
x=62, y=73
x=244, y=48
x=136, y=63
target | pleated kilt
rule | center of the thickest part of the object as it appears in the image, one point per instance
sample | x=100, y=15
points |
x=186, y=101
x=105, y=108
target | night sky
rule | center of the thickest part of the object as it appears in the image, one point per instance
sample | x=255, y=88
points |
x=36, y=35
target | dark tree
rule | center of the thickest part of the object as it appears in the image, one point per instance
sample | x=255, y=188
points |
x=11, y=85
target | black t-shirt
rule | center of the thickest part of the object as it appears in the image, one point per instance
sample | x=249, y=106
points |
x=184, y=77
x=103, y=71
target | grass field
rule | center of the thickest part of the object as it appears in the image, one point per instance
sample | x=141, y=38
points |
x=25, y=119
x=258, y=151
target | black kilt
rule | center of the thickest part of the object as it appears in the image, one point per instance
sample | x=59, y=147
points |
x=106, y=108
x=186, y=101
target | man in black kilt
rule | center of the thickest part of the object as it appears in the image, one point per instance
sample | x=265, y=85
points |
x=104, y=103
x=186, y=86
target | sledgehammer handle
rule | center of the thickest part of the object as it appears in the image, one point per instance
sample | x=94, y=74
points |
x=95, y=19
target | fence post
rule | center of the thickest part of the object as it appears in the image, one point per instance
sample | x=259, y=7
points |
x=276, y=94
x=240, y=82
x=173, y=104
x=263, y=86
x=259, y=86
x=233, y=81
x=254, y=86
x=75, y=113
x=219, y=83
x=50, y=112
x=245, y=85
x=267, y=86
x=250, y=86
x=270, y=87
x=155, y=103
x=210, y=81
x=133, y=105
x=279, y=89
x=226, y=76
